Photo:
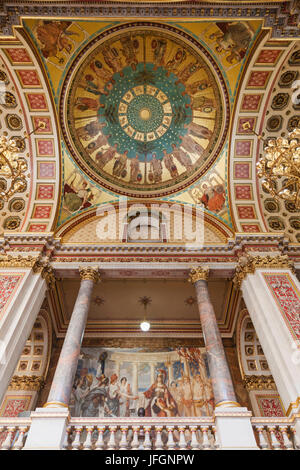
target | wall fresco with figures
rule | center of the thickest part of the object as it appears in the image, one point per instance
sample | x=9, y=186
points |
x=122, y=382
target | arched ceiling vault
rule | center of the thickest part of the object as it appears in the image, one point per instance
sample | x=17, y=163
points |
x=153, y=112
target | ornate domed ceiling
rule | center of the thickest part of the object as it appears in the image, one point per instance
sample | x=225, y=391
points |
x=144, y=110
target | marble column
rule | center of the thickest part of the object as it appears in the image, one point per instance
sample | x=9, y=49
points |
x=219, y=372
x=61, y=387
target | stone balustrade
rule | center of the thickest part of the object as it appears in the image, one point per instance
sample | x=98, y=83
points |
x=275, y=434
x=151, y=434
x=13, y=433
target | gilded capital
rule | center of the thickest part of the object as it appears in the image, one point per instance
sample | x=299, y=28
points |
x=259, y=382
x=90, y=273
x=198, y=274
x=26, y=382
x=251, y=263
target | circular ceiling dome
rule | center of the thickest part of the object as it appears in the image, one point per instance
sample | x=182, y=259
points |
x=144, y=110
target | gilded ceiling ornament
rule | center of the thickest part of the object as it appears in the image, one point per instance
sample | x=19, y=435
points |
x=249, y=264
x=259, y=382
x=143, y=110
x=13, y=168
x=8, y=261
x=89, y=273
x=279, y=168
x=198, y=274
x=26, y=382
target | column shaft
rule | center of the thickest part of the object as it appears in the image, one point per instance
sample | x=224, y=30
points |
x=219, y=372
x=66, y=368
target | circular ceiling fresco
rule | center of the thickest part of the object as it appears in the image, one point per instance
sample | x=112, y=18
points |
x=144, y=110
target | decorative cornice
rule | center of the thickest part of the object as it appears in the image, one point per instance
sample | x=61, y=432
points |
x=8, y=261
x=249, y=264
x=198, y=274
x=259, y=382
x=281, y=17
x=89, y=273
x=26, y=382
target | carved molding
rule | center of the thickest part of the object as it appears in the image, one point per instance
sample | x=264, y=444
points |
x=249, y=264
x=198, y=274
x=259, y=382
x=26, y=382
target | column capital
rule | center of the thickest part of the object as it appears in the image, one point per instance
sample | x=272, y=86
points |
x=198, y=274
x=249, y=264
x=90, y=273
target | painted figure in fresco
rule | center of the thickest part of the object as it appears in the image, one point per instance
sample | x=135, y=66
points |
x=111, y=57
x=197, y=130
x=156, y=169
x=103, y=158
x=125, y=397
x=188, y=71
x=160, y=401
x=101, y=141
x=200, y=85
x=213, y=198
x=84, y=103
x=187, y=397
x=90, y=130
x=77, y=197
x=53, y=36
x=113, y=402
x=101, y=72
x=203, y=104
x=95, y=86
x=94, y=403
x=178, y=58
x=135, y=174
x=234, y=37
x=183, y=158
x=201, y=401
x=190, y=145
x=119, y=169
x=169, y=164
x=81, y=390
x=159, y=47
x=129, y=47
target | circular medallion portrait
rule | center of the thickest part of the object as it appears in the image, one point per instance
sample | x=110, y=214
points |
x=144, y=110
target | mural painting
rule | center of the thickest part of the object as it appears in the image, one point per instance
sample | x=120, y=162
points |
x=120, y=382
x=144, y=110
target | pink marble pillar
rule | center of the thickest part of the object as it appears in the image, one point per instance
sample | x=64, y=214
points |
x=219, y=372
x=62, y=383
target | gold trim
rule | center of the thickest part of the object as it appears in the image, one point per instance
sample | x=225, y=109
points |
x=55, y=404
x=89, y=273
x=293, y=404
x=198, y=274
x=259, y=382
x=228, y=403
x=249, y=265
x=27, y=382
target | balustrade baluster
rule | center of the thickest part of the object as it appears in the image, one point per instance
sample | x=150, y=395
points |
x=87, y=445
x=286, y=440
x=274, y=441
x=216, y=438
x=296, y=438
x=76, y=443
x=111, y=445
x=123, y=441
x=195, y=445
x=147, y=441
x=8, y=440
x=205, y=443
x=158, y=445
x=170, y=442
x=182, y=442
x=135, y=441
x=19, y=444
x=99, y=445
x=262, y=442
